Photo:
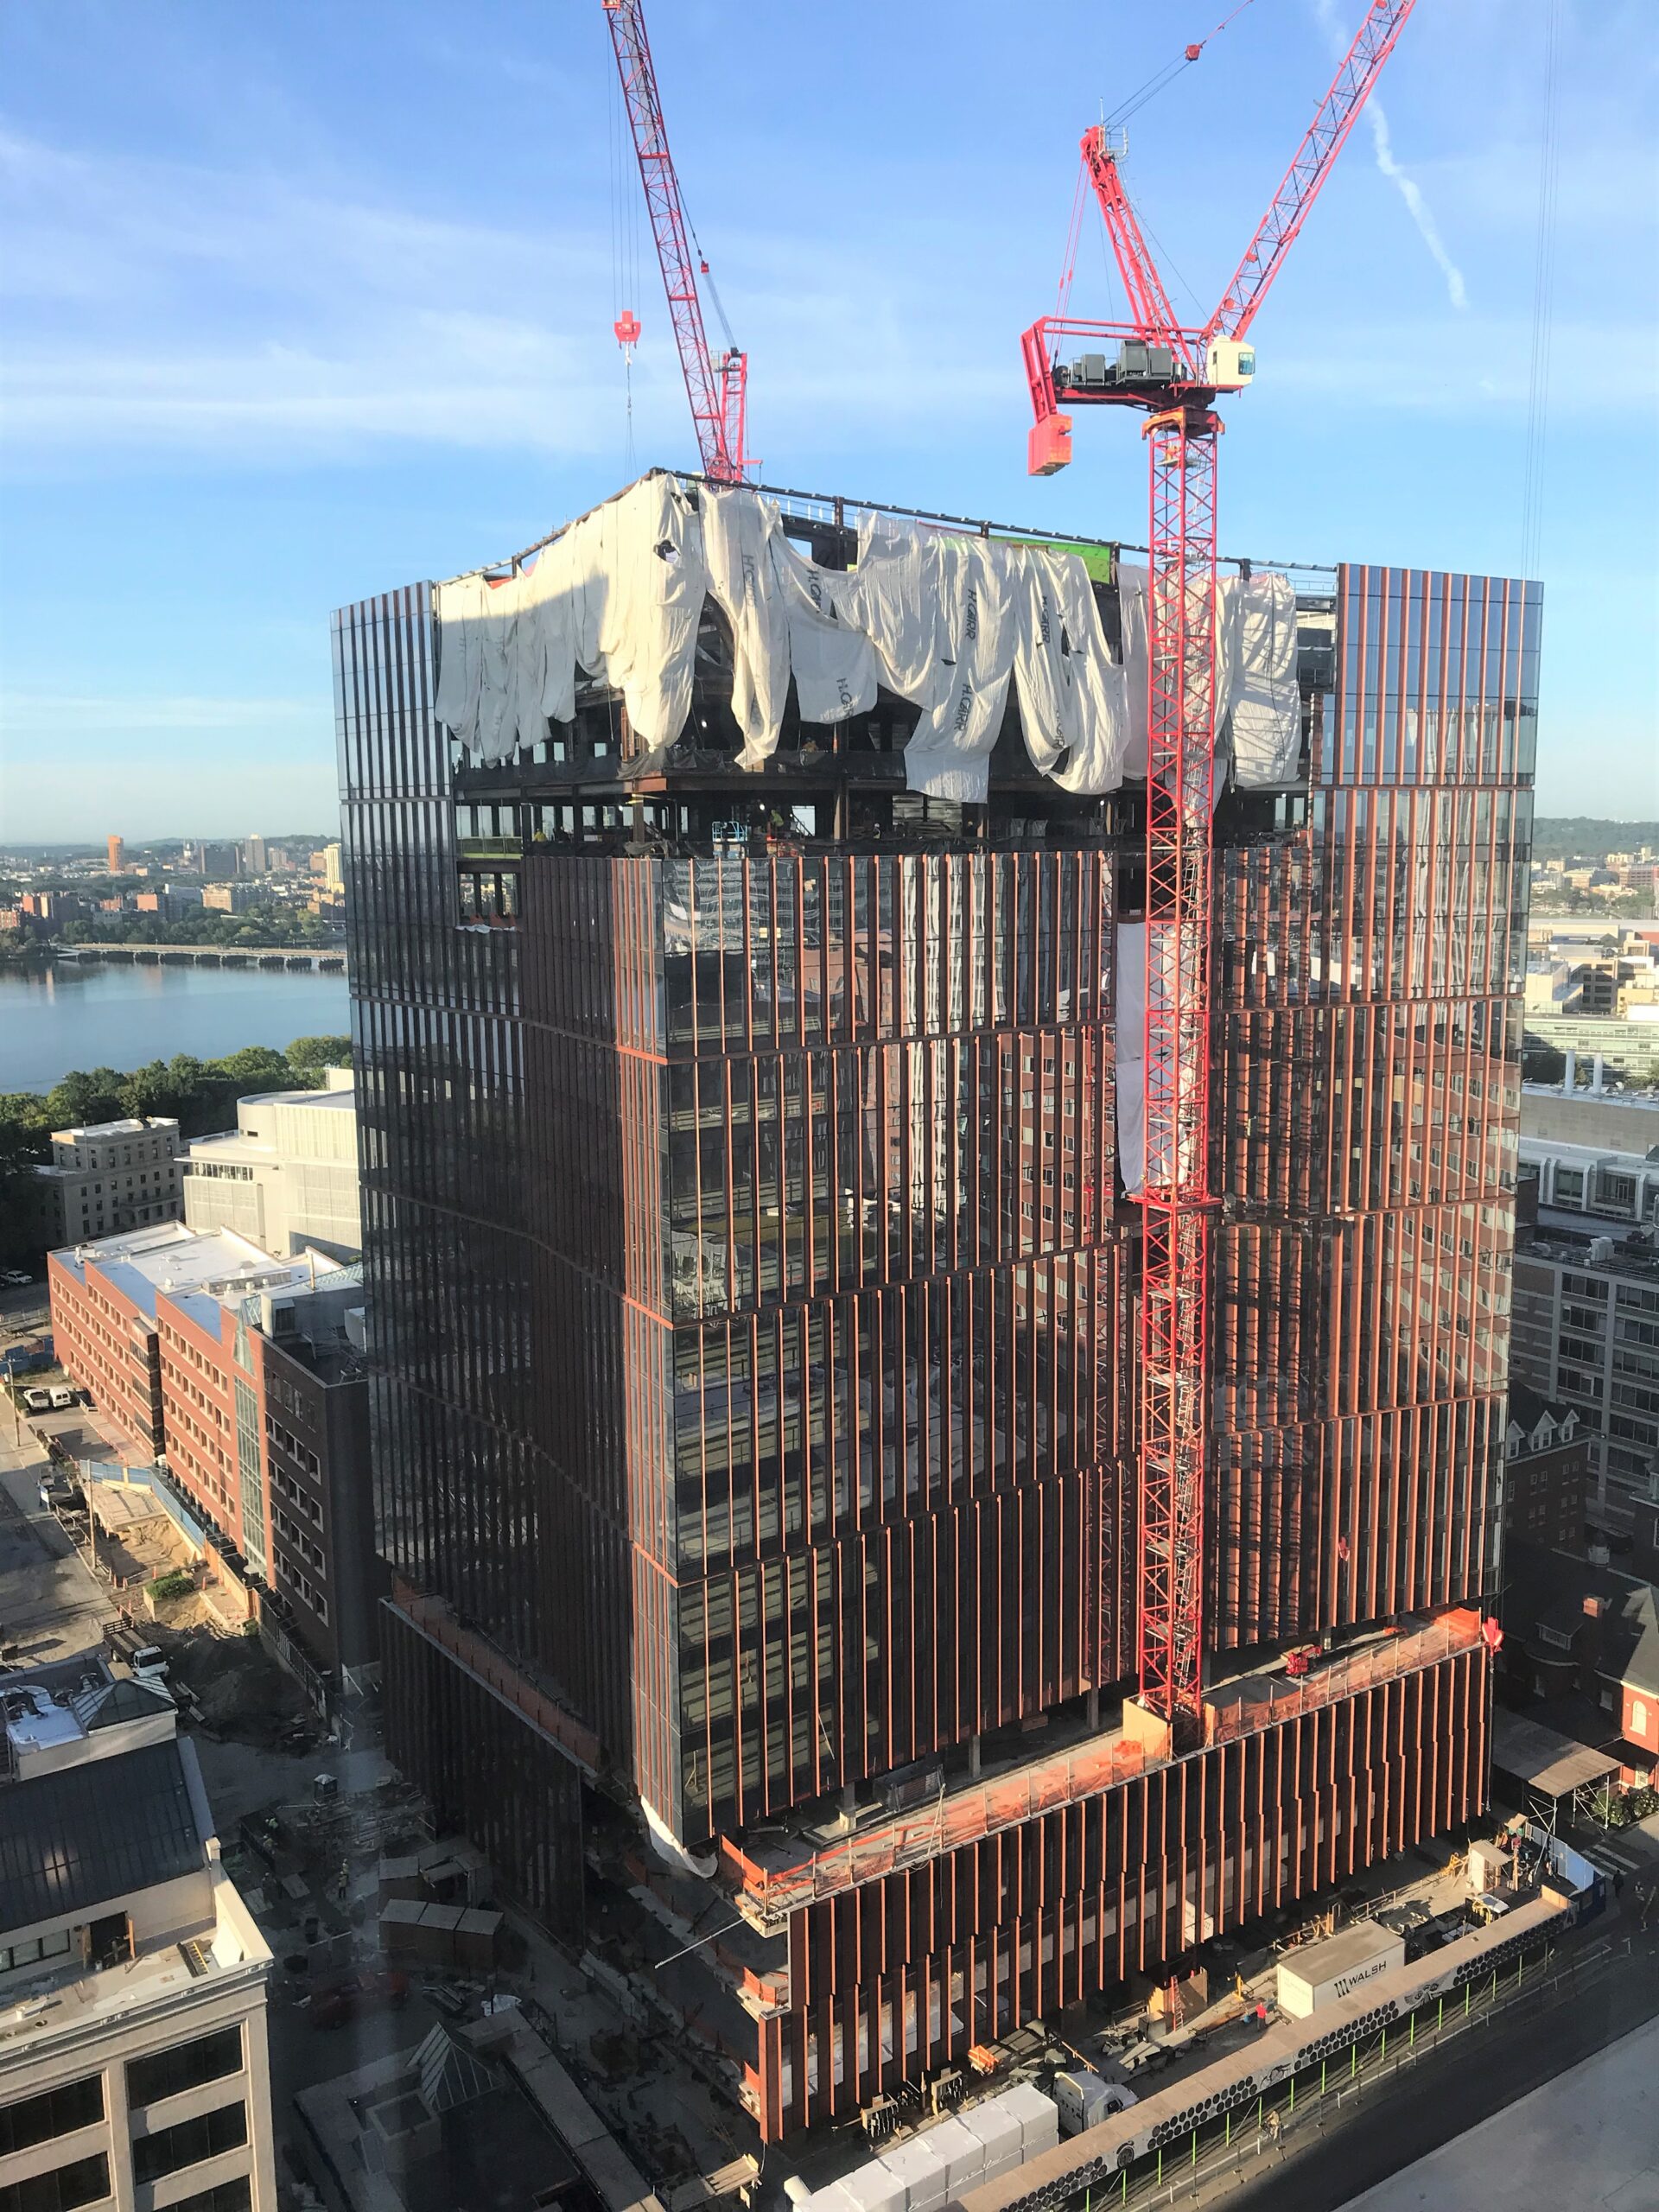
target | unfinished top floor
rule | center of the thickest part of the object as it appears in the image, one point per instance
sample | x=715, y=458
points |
x=702, y=668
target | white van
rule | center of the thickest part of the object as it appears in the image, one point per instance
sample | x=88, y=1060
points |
x=148, y=1665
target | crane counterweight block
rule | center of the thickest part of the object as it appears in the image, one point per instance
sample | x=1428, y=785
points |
x=1048, y=445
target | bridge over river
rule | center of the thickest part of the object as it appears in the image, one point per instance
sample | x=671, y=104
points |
x=324, y=959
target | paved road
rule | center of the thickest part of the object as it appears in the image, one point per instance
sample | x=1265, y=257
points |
x=50, y=1602
x=1476, y=2076
x=1591, y=2137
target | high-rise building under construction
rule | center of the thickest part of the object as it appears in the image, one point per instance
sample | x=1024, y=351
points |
x=748, y=977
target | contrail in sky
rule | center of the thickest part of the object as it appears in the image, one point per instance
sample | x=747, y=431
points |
x=1409, y=190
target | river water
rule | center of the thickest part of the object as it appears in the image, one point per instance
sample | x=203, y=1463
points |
x=86, y=1014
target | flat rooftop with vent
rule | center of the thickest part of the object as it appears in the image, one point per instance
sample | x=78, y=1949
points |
x=132, y=1977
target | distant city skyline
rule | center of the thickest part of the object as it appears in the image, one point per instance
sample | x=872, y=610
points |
x=90, y=847
x=242, y=391
x=136, y=845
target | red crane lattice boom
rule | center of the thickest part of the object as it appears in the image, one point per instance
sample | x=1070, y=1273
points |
x=717, y=388
x=1324, y=141
x=1173, y=375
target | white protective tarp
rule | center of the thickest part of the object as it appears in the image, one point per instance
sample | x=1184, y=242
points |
x=1129, y=1030
x=944, y=620
x=1263, y=702
x=1258, y=712
x=1137, y=663
x=949, y=754
x=832, y=658
x=619, y=595
x=738, y=531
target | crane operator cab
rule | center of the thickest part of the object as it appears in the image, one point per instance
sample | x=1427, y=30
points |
x=1231, y=364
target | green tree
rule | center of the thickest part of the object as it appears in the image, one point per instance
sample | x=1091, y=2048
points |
x=255, y=1067
x=309, y=1056
x=85, y=1096
x=151, y=1090
x=23, y=1142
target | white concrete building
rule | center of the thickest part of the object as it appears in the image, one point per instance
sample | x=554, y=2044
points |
x=112, y=1176
x=1598, y=1118
x=286, y=1175
x=134, y=2074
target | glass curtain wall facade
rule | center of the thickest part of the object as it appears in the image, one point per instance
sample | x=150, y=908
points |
x=1368, y=1102
x=840, y=1206
x=752, y=1297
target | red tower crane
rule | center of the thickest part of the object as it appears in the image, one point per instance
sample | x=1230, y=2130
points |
x=717, y=388
x=1173, y=375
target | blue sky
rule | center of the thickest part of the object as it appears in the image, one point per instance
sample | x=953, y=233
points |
x=301, y=303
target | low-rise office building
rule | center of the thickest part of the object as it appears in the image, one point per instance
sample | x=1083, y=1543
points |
x=134, y=2073
x=286, y=1175
x=1599, y=1119
x=110, y=1176
x=1587, y=1186
x=103, y=1297
x=1586, y=1322
x=1627, y=1045
x=1586, y=1334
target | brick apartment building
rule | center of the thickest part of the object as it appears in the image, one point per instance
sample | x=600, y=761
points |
x=1547, y=1471
x=241, y=1374
x=1585, y=1639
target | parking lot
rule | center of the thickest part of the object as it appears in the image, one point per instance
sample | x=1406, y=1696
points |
x=51, y=1604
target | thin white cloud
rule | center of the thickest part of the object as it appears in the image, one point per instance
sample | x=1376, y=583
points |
x=1409, y=190
x=28, y=713
x=156, y=309
x=1481, y=358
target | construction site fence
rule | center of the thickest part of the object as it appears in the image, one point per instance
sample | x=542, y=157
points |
x=1318, y=2095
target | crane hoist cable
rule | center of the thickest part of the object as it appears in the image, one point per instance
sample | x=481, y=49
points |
x=1532, y=500
x=1160, y=78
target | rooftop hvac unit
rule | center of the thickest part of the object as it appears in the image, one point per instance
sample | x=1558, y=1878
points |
x=276, y=1316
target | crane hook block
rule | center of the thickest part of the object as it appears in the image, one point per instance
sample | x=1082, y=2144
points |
x=626, y=327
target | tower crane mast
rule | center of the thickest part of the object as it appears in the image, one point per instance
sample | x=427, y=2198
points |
x=717, y=388
x=1173, y=375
